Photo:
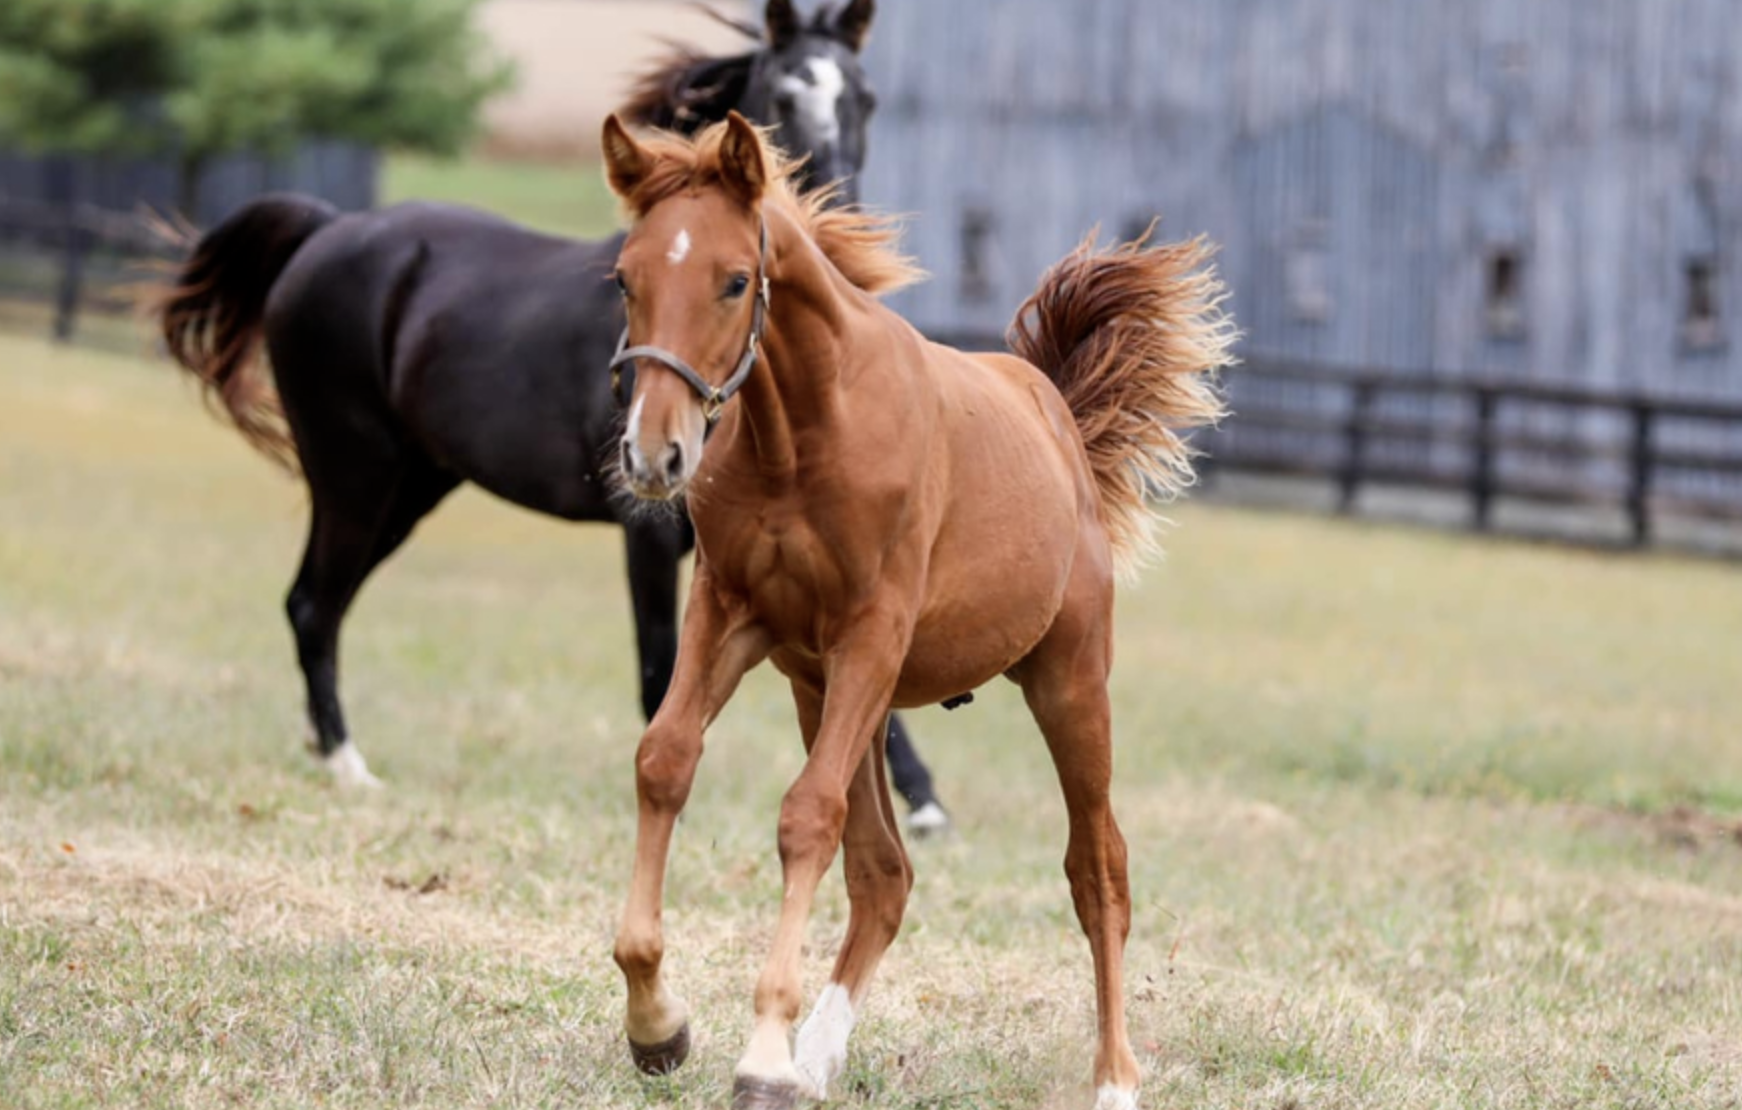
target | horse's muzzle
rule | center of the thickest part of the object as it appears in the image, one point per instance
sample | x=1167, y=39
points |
x=660, y=478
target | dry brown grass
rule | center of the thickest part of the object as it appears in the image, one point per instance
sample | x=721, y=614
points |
x=1403, y=810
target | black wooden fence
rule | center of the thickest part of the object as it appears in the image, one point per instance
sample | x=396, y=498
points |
x=73, y=230
x=343, y=173
x=1643, y=455
x=78, y=257
x=1560, y=444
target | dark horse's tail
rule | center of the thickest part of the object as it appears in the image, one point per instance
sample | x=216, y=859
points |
x=212, y=310
x=1132, y=337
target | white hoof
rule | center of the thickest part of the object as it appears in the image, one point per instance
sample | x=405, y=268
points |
x=928, y=819
x=349, y=769
x=820, y=1053
x=1115, y=1098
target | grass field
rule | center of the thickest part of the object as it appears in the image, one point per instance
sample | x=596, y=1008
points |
x=1417, y=821
x=565, y=198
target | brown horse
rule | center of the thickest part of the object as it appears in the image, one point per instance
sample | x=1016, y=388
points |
x=892, y=523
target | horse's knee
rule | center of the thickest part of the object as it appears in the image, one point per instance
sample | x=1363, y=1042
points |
x=665, y=766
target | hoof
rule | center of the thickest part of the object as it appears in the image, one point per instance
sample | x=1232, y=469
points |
x=929, y=819
x=349, y=770
x=666, y=1056
x=749, y=1093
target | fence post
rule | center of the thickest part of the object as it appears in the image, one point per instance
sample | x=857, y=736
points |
x=1639, y=489
x=1355, y=446
x=1482, y=464
x=75, y=242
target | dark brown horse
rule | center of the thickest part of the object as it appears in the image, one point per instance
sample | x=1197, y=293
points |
x=890, y=522
x=425, y=345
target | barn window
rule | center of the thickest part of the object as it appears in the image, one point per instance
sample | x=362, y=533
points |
x=1702, y=328
x=976, y=280
x=1307, y=274
x=1505, y=294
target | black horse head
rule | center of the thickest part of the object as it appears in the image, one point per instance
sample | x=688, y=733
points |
x=805, y=83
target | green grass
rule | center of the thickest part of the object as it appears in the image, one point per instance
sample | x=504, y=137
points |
x=564, y=198
x=1416, y=820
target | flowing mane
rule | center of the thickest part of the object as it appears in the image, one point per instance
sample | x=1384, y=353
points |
x=863, y=245
x=687, y=90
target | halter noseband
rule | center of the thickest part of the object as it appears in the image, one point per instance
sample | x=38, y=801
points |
x=713, y=398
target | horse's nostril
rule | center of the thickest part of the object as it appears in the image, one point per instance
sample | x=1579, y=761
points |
x=628, y=457
x=674, y=464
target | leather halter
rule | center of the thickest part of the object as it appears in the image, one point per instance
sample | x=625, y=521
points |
x=714, y=398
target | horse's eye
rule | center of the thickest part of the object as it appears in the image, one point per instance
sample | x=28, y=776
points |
x=736, y=285
x=622, y=286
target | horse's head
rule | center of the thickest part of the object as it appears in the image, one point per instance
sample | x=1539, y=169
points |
x=691, y=271
x=811, y=91
x=804, y=83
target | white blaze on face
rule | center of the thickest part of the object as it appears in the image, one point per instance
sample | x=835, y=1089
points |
x=820, y=1053
x=680, y=248
x=632, y=431
x=814, y=100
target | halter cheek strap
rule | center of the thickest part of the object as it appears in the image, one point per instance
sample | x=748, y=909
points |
x=714, y=398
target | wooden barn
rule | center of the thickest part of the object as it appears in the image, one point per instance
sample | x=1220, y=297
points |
x=1545, y=192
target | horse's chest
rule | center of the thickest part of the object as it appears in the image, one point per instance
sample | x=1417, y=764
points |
x=787, y=575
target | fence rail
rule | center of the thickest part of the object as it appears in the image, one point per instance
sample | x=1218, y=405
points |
x=1485, y=441
x=1483, y=437
x=68, y=238
x=1458, y=433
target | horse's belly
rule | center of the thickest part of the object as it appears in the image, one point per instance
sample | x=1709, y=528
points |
x=997, y=578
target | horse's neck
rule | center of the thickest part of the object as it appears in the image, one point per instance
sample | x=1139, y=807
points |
x=795, y=386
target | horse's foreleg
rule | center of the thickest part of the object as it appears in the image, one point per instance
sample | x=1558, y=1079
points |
x=860, y=679
x=1065, y=684
x=715, y=652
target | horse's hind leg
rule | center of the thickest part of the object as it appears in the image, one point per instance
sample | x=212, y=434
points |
x=1065, y=683
x=926, y=815
x=353, y=526
x=879, y=878
x=860, y=672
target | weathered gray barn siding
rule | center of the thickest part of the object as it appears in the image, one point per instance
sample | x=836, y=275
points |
x=1362, y=162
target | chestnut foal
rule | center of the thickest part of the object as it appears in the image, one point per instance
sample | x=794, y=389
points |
x=891, y=523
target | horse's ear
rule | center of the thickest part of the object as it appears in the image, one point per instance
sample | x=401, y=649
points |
x=783, y=23
x=853, y=25
x=743, y=165
x=626, y=161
